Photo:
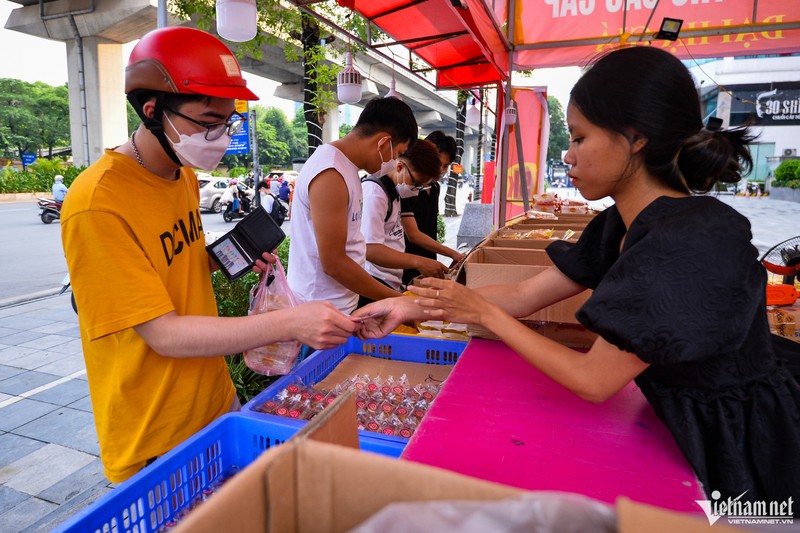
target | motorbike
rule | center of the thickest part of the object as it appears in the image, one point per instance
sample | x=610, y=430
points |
x=229, y=215
x=49, y=210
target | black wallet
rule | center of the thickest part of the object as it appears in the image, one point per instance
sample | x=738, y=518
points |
x=236, y=251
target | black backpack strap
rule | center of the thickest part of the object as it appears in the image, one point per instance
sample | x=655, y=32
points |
x=388, y=186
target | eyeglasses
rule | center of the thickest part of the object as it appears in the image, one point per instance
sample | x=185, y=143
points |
x=215, y=130
x=417, y=186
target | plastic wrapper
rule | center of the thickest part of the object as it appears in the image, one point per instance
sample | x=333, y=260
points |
x=390, y=405
x=540, y=512
x=272, y=293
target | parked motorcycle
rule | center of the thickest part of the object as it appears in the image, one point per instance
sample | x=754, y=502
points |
x=49, y=210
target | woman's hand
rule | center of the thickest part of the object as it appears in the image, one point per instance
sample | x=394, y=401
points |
x=450, y=301
x=380, y=318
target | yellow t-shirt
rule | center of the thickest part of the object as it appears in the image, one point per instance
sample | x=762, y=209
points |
x=136, y=250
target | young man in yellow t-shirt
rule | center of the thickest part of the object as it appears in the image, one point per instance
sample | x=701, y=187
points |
x=135, y=248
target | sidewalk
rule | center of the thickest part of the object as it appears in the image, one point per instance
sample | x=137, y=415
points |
x=49, y=456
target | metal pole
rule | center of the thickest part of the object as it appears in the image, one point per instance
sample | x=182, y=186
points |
x=254, y=149
x=162, y=13
x=523, y=172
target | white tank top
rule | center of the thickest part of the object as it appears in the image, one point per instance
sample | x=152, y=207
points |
x=307, y=279
x=376, y=231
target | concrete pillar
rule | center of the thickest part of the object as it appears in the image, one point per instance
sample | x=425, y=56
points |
x=106, y=111
x=330, y=130
x=96, y=31
x=724, y=102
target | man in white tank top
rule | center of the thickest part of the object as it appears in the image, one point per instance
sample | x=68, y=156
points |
x=327, y=254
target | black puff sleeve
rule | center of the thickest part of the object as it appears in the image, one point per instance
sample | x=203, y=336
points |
x=686, y=286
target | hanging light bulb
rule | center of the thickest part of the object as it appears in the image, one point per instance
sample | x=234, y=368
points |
x=473, y=118
x=511, y=113
x=392, y=92
x=236, y=19
x=348, y=82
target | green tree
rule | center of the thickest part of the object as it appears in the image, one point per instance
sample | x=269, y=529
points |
x=51, y=107
x=344, y=129
x=277, y=153
x=559, y=136
x=298, y=147
x=19, y=128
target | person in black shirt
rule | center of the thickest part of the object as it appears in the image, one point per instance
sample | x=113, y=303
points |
x=678, y=294
x=420, y=214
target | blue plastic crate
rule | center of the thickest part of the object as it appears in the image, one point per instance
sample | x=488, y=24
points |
x=156, y=494
x=411, y=348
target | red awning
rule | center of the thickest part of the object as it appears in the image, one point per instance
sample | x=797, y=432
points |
x=463, y=46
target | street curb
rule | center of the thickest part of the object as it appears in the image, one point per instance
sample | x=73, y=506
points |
x=25, y=298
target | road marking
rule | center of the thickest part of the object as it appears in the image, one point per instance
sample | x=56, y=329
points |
x=37, y=390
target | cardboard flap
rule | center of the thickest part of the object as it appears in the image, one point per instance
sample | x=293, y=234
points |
x=336, y=424
x=342, y=487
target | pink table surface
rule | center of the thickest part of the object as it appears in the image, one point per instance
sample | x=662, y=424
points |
x=498, y=418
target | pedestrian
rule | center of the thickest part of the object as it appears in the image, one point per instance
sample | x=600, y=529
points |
x=59, y=189
x=284, y=191
x=420, y=214
x=679, y=292
x=328, y=252
x=265, y=197
x=135, y=249
x=380, y=223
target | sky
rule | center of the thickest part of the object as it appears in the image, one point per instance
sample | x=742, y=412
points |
x=37, y=59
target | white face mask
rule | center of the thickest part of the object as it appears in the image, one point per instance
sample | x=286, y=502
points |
x=387, y=166
x=405, y=191
x=197, y=152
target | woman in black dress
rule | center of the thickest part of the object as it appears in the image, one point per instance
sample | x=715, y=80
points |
x=679, y=293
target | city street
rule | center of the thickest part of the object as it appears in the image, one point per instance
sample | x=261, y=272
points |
x=31, y=253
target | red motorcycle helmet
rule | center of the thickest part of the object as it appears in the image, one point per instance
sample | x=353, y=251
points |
x=185, y=60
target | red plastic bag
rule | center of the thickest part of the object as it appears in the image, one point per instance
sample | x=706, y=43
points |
x=271, y=294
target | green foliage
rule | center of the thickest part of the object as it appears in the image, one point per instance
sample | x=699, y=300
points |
x=235, y=172
x=133, y=118
x=441, y=229
x=344, y=129
x=33, y=117
x=559, y=136
x=233, y=299
x=38, y=177
x=787, y=174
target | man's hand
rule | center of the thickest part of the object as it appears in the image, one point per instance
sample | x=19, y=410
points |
x=430, y=268
x=320, y=325
x=261, y=264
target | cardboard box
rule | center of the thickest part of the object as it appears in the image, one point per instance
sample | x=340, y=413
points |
x=527, y=244
x=556, y=225
x=572, y=335
x=493, y=266
x=317, y=482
